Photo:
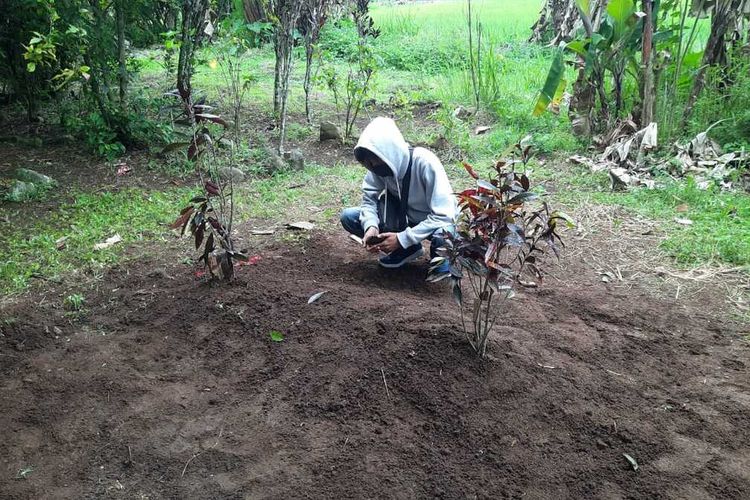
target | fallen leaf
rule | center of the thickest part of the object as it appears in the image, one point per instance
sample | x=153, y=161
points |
x=123, y=169
x=304, y=225
x=681, y=208
x=108, y=242
x=60, y=242
x=23, y=473
x=276, y=336
x=316, y=296
x=482, y=130
x=607, y=276
x=251, y=261
x=684, y=222
x=631, y=461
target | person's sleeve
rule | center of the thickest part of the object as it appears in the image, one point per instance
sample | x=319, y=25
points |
x=442, y=205
x=372, y=186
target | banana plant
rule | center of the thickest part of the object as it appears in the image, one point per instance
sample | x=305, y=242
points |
x=603, y=56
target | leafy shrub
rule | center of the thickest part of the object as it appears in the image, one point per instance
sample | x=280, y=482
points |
x=127, y=128
x=497, y=244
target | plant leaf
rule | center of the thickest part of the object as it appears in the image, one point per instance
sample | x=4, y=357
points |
x=276, y=336
x=631, y=461
x=470, y=170
x=212, y=118
x=551, y=85
x=457, y=294
x=316, y=296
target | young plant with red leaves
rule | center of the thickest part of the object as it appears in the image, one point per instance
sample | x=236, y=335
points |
x=499, y=236
x=209, y=215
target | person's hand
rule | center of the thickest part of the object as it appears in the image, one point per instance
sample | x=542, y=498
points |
x=372, y=231
x=389, y=244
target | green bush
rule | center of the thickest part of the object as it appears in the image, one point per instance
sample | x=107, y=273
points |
x=726, y=96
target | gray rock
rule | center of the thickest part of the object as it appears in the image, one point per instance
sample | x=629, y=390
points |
x=461, y=113
x=226, y=143
x=295, y=159
x=273, y=162
x=231, y=173
x=41, y=180
x=329, y=131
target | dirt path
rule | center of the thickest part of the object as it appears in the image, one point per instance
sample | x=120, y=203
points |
x=171, y=390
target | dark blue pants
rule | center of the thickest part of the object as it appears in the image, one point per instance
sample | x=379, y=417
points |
x=350, y=221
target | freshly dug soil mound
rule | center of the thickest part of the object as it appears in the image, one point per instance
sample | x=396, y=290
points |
x=172, y=388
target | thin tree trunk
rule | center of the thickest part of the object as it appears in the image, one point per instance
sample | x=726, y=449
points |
x=193, y=14
x=284, y=99
x=122, y=70
x=648, y=89
x=308, y=78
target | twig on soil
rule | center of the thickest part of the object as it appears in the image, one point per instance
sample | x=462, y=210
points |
x=196, y=455
x=387, y=392
x=615, y=373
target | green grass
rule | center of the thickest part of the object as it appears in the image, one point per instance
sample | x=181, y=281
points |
x=89, y=219
x=137, y=216
x=720, y=232
x=720, y=229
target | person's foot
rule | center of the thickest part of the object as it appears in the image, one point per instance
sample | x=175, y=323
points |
x=401, y=256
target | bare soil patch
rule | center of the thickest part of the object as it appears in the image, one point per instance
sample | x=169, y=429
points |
x=172, y=388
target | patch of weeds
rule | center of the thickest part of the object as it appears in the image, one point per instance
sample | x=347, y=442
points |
x=176, y=165
x=74, y=302
x=298, y=132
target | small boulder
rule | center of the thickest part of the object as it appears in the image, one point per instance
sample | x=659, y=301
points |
x=231, y=173
x=41, y=180
x=272, y=161
x=295, y=159
x=329, y=131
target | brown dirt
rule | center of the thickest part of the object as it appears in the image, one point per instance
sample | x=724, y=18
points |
x=169, y=387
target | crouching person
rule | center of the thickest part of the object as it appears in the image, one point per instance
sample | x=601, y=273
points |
x=406, y=197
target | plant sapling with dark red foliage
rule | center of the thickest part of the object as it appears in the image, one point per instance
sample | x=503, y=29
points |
x=498, y=240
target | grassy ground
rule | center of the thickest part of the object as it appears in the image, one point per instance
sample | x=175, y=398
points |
x=422, y=51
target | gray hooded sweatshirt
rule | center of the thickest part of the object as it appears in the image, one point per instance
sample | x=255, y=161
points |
x=432, y=204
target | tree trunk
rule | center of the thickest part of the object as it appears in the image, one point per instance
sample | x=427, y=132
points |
x=648, y=88
x=193, y=14
x=122, y=70
x=253, y=10
x=286, y=13
x=308, y=78
x=724, y=16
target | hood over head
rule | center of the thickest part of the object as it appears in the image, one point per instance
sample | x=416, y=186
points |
x=384, y=139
